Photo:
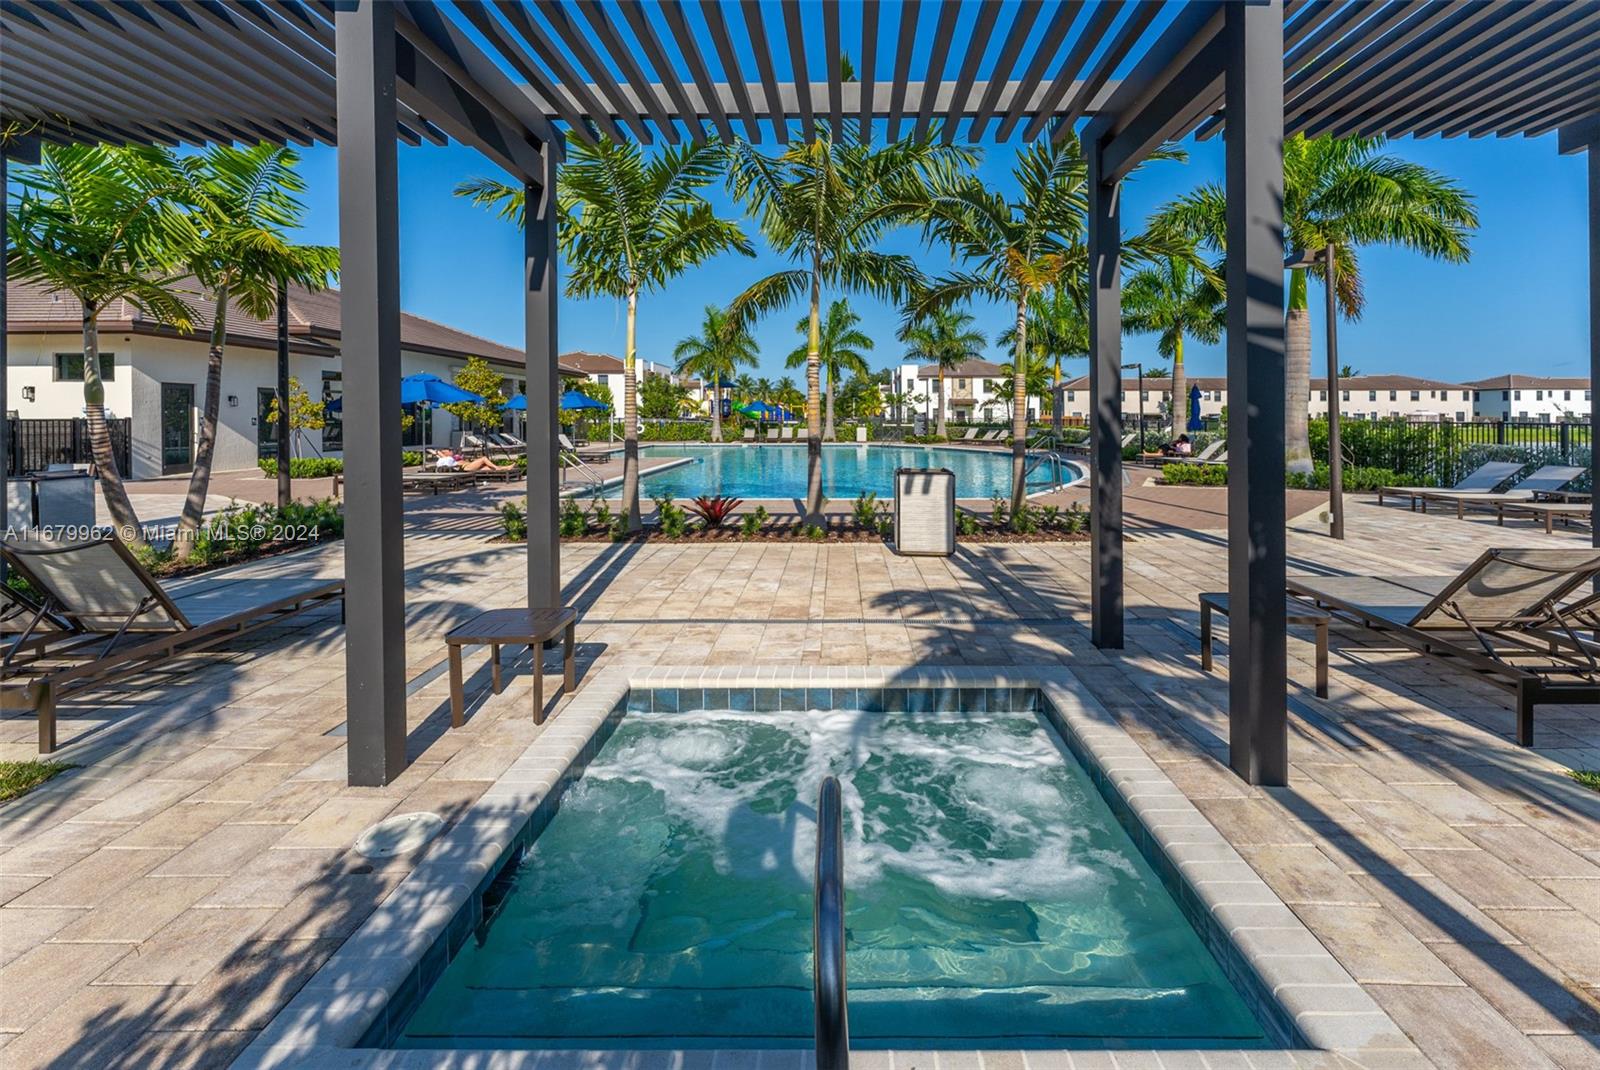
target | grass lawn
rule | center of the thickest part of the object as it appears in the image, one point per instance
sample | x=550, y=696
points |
x=1589, y=778
x=19, y=778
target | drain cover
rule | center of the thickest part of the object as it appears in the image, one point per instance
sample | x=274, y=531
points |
x=399, y=835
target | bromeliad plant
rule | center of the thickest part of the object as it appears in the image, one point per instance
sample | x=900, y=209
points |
x=714, y=511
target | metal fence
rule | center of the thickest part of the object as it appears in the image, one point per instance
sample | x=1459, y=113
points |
x=36, y=444
x=1444, y=452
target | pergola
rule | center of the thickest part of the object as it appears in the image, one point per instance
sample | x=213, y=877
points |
x=509, y=78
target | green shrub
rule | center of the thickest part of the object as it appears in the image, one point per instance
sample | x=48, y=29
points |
x=304, y=467
x=926, y=440
x=1195, y=475
x=815, y=532
x=999, y=511
x=750, y=524
x=671, y=518
x=513, y=521
x=1025, y=521
x=1356, y=479
x=679, y=431
x=572, y=522
x=1075, y=519
x=967, y=524
x=866, y=510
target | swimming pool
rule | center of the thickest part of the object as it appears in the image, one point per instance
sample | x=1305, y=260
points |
x=761, y=470
x=993, y=899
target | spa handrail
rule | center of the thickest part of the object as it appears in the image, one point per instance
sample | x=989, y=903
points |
x=827, y=933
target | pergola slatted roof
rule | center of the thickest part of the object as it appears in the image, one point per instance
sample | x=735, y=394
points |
x=245, y=71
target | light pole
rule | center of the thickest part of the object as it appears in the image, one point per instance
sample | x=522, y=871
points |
x=1140, y=365
x=1335, y=452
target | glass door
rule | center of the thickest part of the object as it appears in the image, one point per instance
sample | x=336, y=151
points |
x=266, y=426
x=177, y=427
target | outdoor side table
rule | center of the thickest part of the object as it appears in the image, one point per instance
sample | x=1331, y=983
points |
x=515, y=627
x=1297, y=612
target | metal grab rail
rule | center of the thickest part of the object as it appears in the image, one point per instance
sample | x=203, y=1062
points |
x=827, y=933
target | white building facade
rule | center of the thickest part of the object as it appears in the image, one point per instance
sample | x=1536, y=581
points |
x=155, y=377
x=975, y=393
x=1531, y=398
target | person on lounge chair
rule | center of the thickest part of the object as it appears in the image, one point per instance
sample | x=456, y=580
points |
x=1179, y=447
x=449, y=461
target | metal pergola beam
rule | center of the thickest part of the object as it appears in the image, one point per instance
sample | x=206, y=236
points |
x=369, y=313
x=421, y=84
x=1257, y=636
x=542, y=344
x=1105, y=404
x=742, y=107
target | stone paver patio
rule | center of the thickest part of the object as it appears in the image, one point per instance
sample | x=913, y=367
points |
x=162, y=900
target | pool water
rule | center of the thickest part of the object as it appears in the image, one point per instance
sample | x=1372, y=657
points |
x=992, y=899
x=779, y=471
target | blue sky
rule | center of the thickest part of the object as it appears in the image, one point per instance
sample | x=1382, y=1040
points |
x=1519, y=305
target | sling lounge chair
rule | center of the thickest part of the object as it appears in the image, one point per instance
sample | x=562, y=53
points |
x=749, y=434
x=587, y=456
x=971, y=435
x=772, y=434
x=1504, y=618
x=1551, y=479
x=788, y=434
x=1485, y=479
x=123, y=621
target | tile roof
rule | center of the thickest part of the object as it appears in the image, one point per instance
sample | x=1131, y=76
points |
x=1386, y=382
x=1528, y=382
x=592, y=363
x=972, y=369
x=313, y=324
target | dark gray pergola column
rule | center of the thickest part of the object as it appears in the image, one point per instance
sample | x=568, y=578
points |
x=544, y=386
x=369, y=244
x=1257, y=691
x=1105, y=403
x=5, y=361
x=1594, y=327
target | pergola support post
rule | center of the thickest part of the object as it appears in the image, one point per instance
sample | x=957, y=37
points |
x=5, y=361
x=1105, y=403
x=1593, y=153
x=374, y=551
x=544, y=386
x=1257, y=673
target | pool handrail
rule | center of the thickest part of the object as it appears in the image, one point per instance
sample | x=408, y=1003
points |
x=827, y=933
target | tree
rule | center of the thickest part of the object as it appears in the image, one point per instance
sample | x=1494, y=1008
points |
x=1348, y=371
x=1174, y=300
x=477, y=376
x=840, y=347
x=825, y=205
x=629, y=224
x=105, y=224
x=786, y=394
x=1036, y=385
x=662, y=399
x=1348, y=192
x=246, y=203
x=1017, y=248
x=722, y=346
x=945, y=337
x=1057, y=325
x=305, y=413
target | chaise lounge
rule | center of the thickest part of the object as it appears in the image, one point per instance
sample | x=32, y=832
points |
x=1485, y=480
x=117, y=619
x=1503, y=618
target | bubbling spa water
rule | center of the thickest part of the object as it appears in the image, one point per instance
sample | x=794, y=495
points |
x=991, y=898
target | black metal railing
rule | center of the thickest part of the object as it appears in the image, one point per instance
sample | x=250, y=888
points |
x=37, y=444
x=1445, y=451
x=827, y=933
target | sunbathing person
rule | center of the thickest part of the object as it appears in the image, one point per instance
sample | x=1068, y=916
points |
x=450, y=461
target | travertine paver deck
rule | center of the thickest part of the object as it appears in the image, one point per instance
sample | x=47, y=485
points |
x=164, y=899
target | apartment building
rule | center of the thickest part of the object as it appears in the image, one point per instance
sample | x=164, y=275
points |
x=974, y=391
x=1530, y=397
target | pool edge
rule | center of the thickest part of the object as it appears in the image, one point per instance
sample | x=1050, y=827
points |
x=336, y=1008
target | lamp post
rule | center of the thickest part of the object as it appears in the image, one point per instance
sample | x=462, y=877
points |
x=1327, y=256
x=1140, y=365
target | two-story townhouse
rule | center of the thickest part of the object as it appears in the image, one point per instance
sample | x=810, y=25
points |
x=1530, y=397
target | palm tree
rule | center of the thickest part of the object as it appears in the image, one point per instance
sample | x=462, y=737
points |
x=788, y=395
x=629, y=224
x=246, y=200
x=825, y=205
x=945, y=337
x=744, y=387
x=840, y=347
x=1017, y=248
x=105, y=224
x=1348, y=371
x=764, y=390
x=1344, y=191
x=722, y=345
x=1036, y=384
x=1174, y=300
x=1057, y=324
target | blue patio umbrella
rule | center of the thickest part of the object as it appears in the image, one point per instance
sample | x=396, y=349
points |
x=423, y=386
x=574, y=399
x=516, y=404
x=1195, y=422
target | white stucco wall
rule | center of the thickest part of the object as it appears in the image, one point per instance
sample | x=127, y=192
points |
x=31, y=361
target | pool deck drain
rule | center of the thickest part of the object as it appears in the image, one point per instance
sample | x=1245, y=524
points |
x=1333, y=1018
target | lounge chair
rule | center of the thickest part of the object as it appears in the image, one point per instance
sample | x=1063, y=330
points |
x=970, y=436
x=1486, y=478
x=435, y=481
x=1549, y=512
x=788, y=434
x=586, y=456
x=1502, y=618
x=1551, y=479
x=772, y=434
x=510, y=441
x=122, y=620
x=749, y=434
x=994, y=436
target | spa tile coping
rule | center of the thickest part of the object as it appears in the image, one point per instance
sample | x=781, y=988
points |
x=1338, y=1023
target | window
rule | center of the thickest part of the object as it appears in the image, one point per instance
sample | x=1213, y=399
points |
x=1372, y=395
x=1538, y=395
x=1505, y=395
x=602, y=380
x=1344, y=395
x=1461, y=417
x=1566, y=395
x=1393, y=395
x=1144, y=395
x=333, y=428
x=69, y=367
x=1586, y=395
x=1072, y=395
x=1322, y=395
x=1518, y=394
x=1416, y=395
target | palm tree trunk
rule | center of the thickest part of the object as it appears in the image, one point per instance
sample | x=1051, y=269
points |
x=1019, y=412
x=1180, y=389
x=1297, y=377
x=630, y=425
x=194, y=505
x=828, y=431
x=941, y=429
x=123, y=517
x=814, y=401
x=716, y=411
